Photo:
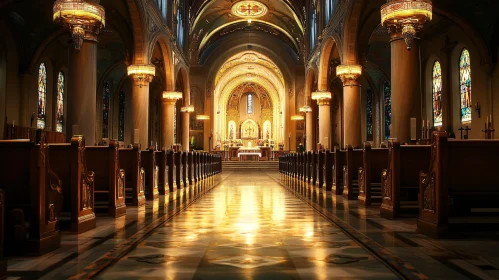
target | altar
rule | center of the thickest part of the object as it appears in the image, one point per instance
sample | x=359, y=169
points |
x=249, y=154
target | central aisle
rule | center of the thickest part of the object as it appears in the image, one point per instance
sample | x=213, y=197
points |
x=248, y=227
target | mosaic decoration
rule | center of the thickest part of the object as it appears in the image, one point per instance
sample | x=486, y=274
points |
x=42, y=96
x=465, y=85
x=437, y=94
x=105, y=109
x=121, y=119
x=249, y=9
x=59, y=113
x=387, y=98
x=369, y=115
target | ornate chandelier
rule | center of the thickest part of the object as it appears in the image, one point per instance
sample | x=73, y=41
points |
x=407, y=17
x=142, y=73
x=83, y=19
x=305, y=109
x=348, y=73
x=172, y=95
x=297, y=118
x=321, y=95
x=187, y=109
x=202, y=117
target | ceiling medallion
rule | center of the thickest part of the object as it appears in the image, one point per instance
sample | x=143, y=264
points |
x=249, y=9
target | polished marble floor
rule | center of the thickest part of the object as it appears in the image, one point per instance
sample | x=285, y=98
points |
x=248, y=227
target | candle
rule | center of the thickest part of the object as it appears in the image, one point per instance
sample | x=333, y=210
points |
x=136, y=136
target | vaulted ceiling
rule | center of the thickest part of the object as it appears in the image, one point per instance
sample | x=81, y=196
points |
x=214, y=21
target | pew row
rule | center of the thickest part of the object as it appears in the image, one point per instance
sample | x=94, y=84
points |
x=33, y=198
x=460, y=189
x=151, y=170
x=374, y=162
x=354, y=161
x=400, y=181
x=109, y=183
x=129, y=160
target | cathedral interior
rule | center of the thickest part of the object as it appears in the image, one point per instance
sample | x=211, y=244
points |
x=131, y=128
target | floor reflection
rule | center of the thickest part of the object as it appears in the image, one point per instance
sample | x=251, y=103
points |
x=245, y=228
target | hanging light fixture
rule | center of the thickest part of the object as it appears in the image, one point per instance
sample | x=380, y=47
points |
x=297, y=118
x=202, y=117
x=142, y=73
x=187, y=109
x=172, y=95
x=348, y=73
x=305, y=109
x=321, y=95
x=84, y=19
x=407, y=17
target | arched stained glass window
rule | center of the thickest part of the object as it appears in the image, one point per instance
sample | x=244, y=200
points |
x=313, y=29
x=437, y=94
x=465, y=85
x=387, y=100
x=121, y=119
x=105, y=109
x=369, y=115
x=250, y=104
x=42, y=96
x=180, y=24
x=329, y=6
x=59, y=114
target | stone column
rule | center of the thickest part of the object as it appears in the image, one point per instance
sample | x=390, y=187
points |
x=167, y=122
x=351, y=117
x=309, y=118
x=324, y=123
x=406, y=102
x=185, y=131
x=82, y=106
x=140, y=112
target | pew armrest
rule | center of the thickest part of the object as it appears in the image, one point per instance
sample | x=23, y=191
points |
x=362, y=182
x=386, y=184
x=427, y=191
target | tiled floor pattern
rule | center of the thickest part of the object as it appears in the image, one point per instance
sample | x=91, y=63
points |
x=80, y=251
x=467, y=256
x=248, y=227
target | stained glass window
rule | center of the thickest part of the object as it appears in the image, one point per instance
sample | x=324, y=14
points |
x=250, y=104
x=329, y=8
x=121, y=119
x=369, y=115
x=437, y=94
x=313, y=30
x=387, y=100
x=465, y=85
x=59, y=114
x=105, y=110
x=180, y=25
x=42, y=96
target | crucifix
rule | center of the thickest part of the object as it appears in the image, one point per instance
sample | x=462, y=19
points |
x=249, y=130
x=464, y=129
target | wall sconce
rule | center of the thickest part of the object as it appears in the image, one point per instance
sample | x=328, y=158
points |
x=187, y=109
x=478, y=108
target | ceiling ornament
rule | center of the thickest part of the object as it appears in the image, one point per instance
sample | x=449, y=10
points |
x=249, y=9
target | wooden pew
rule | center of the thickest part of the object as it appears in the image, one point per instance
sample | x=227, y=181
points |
x=134, y=175
x=460, y=189
x=160, y=158
x=190, y=167
x=172, y=170
x=309, y=166
x=178, y=168
x=151, y=169
x=400, y=181
x=314, y=171
x=183, y=158
x=354, y=161
x=340, y=157
x=320, y=169
x=69, y=162
x=375, y=160
x=33, y=198
x=195, y=166
x=3, y=260
x=109, y=183
x=328, y=169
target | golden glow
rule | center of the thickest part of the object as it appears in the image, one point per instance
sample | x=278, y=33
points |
x=80, y=11
x=172, y=95
x=348, y=72
x=216, y=30
x=141, y=69
x=249, y=9
x=305, y=109
x=202, y=117
x=297, y=118
x=321, y=95
x=187, y=109
x=399, y=10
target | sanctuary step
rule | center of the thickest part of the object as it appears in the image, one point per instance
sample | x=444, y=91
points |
x=250, y=165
